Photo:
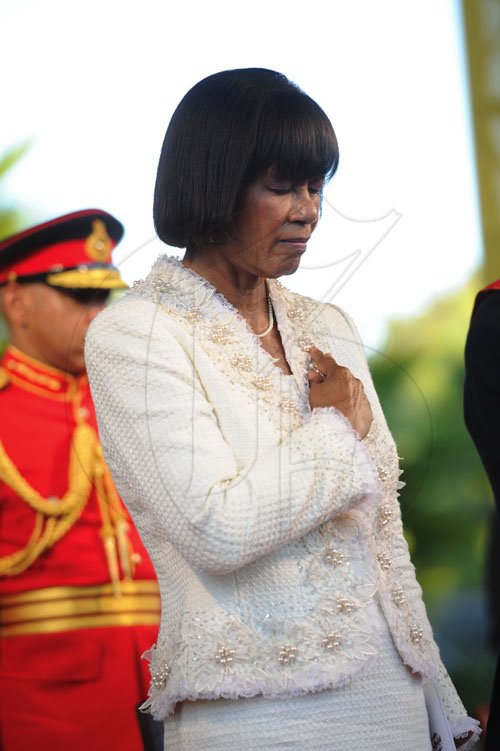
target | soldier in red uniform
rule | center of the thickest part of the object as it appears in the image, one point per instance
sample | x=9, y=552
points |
x=79, y=602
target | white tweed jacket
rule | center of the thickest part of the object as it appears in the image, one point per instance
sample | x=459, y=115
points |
x=271, y=528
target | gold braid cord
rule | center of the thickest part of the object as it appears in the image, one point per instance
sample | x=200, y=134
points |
x=54, y=517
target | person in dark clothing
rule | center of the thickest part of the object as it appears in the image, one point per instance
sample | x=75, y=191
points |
x=482, y=418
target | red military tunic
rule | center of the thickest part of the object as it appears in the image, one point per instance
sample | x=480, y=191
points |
x=79, y=600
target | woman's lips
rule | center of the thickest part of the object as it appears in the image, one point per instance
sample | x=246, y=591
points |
x=298, y=243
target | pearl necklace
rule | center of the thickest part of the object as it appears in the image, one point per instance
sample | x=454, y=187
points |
x=271, y=318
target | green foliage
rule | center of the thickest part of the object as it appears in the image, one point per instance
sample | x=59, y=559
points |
x=446, y=503
x=11, y=218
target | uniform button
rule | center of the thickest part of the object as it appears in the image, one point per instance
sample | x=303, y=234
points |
x=83, y=413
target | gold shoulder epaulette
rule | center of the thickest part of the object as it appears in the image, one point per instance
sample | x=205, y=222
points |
x=4, y=378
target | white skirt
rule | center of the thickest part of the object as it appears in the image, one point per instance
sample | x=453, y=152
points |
x=382, y=709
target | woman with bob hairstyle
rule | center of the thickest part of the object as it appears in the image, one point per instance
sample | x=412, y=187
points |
x=243, y=432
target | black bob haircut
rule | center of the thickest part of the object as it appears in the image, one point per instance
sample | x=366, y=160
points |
x=228, y=131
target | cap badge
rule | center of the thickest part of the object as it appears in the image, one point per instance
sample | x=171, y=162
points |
x=98, y=244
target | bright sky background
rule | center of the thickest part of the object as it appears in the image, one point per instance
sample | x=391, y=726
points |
x=94, y=84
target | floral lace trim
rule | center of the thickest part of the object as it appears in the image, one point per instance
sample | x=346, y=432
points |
x=164, y=705
x=273, y=657
x=461, y=726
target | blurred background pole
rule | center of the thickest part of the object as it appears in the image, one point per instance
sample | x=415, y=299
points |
x=482, y=31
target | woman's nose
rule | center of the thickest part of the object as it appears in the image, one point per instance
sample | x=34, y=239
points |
x=306, y=207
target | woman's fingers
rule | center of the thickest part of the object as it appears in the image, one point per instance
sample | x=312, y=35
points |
x=321, y=363
x=333, y=385
x=314, y=376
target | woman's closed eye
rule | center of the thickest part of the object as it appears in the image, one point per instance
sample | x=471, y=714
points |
x=314, y=188
x=281, y=190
